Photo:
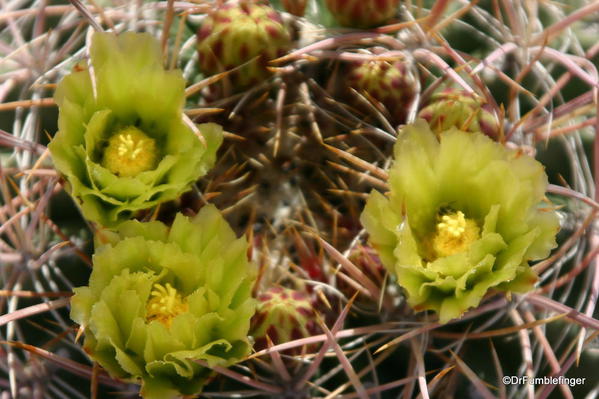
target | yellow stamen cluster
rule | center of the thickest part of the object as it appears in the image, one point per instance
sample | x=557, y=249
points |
x=165, y=304
x=454, y=234
x=453, y=225
x=130, y=152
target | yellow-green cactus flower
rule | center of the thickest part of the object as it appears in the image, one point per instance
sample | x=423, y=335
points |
x=122, y=143
x=463, y=216
x=160, y=298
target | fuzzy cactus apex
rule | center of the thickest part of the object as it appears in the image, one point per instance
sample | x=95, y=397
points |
x=237, y=33
x=362, y=13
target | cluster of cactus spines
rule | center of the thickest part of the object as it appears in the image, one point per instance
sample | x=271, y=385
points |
x=463, y=110
x=241, y=32
x=294, y=172
x=389, y=82
x=362, y=13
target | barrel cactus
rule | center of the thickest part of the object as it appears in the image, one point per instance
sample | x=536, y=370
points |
x=285, y=115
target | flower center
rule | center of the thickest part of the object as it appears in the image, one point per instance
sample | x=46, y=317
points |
x=454, y=234
x=130, y=152
x=165, y=304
